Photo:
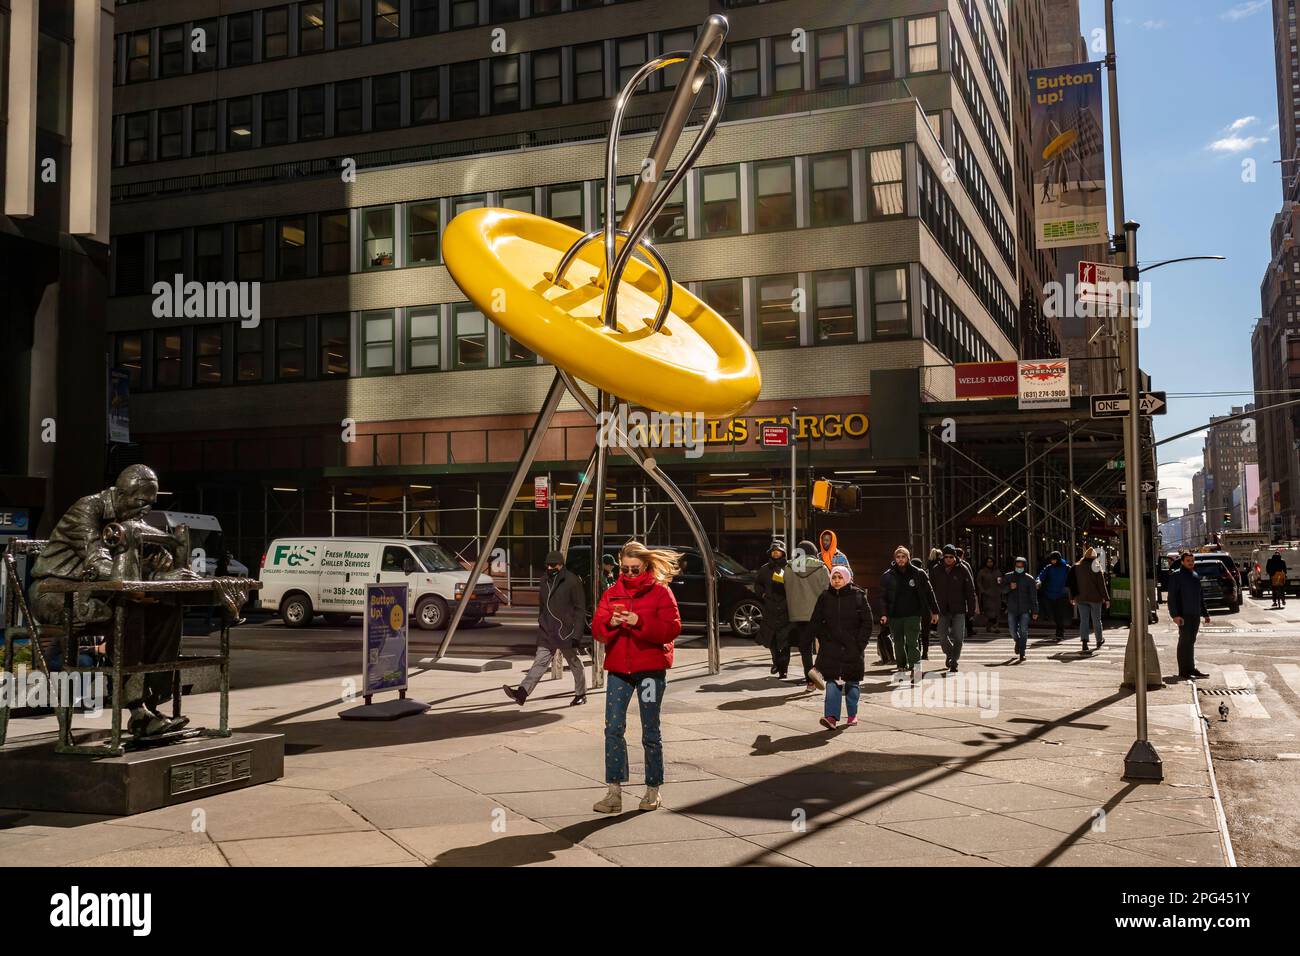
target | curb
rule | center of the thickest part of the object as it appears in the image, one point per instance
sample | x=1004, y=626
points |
x=1225, y=840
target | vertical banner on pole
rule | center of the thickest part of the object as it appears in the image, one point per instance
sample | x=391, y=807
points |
x=1067, y=150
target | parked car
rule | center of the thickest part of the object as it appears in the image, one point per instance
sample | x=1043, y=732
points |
x=1236, y=570
x=301, y=576
x=738, y=606
x=1218, y=584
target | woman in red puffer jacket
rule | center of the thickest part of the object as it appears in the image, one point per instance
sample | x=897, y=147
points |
x=637, y=620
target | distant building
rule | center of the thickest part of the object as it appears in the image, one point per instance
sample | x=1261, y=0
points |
x=1228, y=446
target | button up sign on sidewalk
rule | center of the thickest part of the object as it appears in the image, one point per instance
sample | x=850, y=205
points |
x=1117, y=406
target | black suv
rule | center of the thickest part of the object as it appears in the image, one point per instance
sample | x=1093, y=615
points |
x=1218, y=584
x=738, y=606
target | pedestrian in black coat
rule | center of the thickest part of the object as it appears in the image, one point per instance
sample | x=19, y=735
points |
x=843, y=623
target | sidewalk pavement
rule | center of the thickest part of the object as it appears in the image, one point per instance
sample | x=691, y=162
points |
x=1015, y=765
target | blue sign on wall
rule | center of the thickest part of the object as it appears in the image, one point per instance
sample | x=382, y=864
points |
x=13, y=520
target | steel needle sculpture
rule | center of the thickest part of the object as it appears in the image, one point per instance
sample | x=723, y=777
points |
x=597, y=319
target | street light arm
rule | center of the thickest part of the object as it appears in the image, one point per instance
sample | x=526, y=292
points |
x=1165, y=262
x=1226, y=418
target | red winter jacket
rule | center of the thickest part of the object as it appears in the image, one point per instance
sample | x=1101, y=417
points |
x=648, y=646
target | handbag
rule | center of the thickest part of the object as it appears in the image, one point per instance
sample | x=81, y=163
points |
x=1278, y=579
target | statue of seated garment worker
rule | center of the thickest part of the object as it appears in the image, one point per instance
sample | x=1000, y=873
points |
x=100, y=538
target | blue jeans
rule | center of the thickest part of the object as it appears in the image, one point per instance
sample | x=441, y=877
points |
x=850, y=695
x=648, y=687
x=1019, y=626
x=1089, y=620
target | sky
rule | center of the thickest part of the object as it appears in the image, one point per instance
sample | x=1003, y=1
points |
x=1197, y=98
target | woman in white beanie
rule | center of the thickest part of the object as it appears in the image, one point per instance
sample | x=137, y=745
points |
x=842, y=623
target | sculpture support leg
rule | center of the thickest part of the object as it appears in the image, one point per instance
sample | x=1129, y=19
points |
x=598, y=537
x=566, y=536
x=534, y=444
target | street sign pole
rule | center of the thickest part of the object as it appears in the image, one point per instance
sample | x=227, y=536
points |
x=792, y=541
x=1142, y=762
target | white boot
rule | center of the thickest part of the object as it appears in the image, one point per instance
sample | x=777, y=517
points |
x=612, y=802
x=651, y=799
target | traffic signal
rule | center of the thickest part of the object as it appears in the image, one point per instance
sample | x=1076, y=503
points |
x=1227, y=518
x=836, y=497
x=821, y=495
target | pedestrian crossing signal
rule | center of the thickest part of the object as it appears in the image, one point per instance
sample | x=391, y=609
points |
x=836, y=497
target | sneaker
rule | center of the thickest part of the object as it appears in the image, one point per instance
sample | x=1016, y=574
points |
x=851, y=722
x=1101, y=642
x=515, y=693
x=1022, y=658
x=952, y=668
x=829, y=722
x=781, y=676
x=810, y=687
x=578, y=701
x=651, y=799
x=612, y=801
x=815, y=676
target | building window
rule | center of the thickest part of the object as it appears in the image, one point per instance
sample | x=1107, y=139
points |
x=377, y=337
x=377, y=237
x=502, y=11
x=675, y=41
x=889, y=312
x=546, y=78
x=206, y=34
x=462, y=203
x=424, y=17
x=513, y=352
x=128, y=353
x=239, y=39
x=464, y=13
x=239, y=123
x=335, y=243
x=787, y=65
x=275, y=33
x=885, y=167
x=207, y=356
x=167, y=359
x=138, y=61
x=545, y=6
x=742, y=62
x=422, y=232
x=386, y=101
x=388, y=20
x=923, y=45
x=248, y=250
x=171, y=51
x=171, y=133
x=520, y=199
x=335, y=346
x=464, y=90
x=832, y=195
x=469, y=337
x=832, y=66
x=631, y=57
x=311, y=27
x=564, y=204
x=137, y=138
x=833, y=313
x=290, y=349
x=347, y=107
x=168, y=255
x=774, y=194
x=877, y=52
x=724, y=297
x=505, y=84
x=203, y=129
x=670, y=224
x=589, y=72
x=209, y=260
x=347, y=23
x=275, y=118
x=248, y=354
x=424, y=341
x=311, y=112
x=131, y=265
x=720, y=201
x=778, y=323
x=291, y=248
x=424, y=95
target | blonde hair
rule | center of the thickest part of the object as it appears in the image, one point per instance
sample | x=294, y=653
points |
x=662, y=562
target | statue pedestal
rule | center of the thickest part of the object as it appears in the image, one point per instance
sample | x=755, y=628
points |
x=34, y=777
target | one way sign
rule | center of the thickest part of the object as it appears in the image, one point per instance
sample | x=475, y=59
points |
x=1117, y=406
x=1147, y=487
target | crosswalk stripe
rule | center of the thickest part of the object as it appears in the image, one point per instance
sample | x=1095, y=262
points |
x=1235, y=677
x=1291, y=674
x=1248, y=704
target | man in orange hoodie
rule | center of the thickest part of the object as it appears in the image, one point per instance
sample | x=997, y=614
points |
x=831, y=554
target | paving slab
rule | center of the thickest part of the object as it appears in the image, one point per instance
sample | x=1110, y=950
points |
x=361, y=848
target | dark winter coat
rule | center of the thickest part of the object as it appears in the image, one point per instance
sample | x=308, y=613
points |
x=561, y=610
x=843, y=624
x=1054, y=577
x=1087, y=584
x=770, y=588
x=908, y=592
x=1024, y=599
x=1186, y=599
x=954, y=590
x=990, y=590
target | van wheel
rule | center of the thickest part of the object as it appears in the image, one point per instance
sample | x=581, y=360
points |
x=431, y=613
x=296, y=610
x=337, y=620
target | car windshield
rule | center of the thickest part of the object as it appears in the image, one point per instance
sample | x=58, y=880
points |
x=435, y=557
x=1216, y=568
x=729, y=565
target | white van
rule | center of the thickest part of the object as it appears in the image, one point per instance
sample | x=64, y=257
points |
x=1259, y=582
x=205, y=535
x=303, y=576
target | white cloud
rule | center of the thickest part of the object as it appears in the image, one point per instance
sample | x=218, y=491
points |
x=1153, y=24
x=1239, y=124
x=1243, y=10
x=1236, y=144
x=1176, y=480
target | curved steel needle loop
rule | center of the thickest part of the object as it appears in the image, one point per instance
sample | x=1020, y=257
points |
x=665, y=304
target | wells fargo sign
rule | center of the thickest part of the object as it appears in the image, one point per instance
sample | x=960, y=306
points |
x=832, y=426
